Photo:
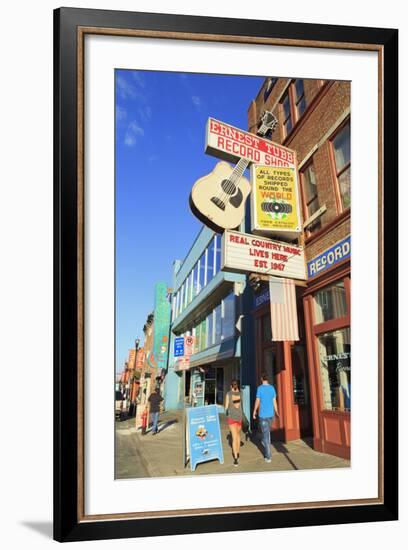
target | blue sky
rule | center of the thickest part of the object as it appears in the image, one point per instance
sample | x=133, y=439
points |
x=160, y=137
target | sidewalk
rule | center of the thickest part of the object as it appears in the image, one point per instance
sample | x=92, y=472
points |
x=161, y=455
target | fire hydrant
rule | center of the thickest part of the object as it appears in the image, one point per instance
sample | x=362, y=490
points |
x=144, y=421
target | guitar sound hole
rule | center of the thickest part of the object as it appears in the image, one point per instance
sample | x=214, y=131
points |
x=228, y=187
x=218, y=202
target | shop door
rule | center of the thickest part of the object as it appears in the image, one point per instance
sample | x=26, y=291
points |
x=301, y=390
x=209, y=396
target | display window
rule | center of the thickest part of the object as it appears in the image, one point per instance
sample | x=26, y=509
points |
x=332, y=334
x=335, y=369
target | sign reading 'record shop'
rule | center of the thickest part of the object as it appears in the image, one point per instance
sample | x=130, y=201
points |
x=330, y=257
x=204, y=435
x=229, y=143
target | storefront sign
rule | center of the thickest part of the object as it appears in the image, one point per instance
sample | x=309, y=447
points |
x=330, y=257
x=179, y=347
x=231, y=144
x=204, y=435
x=274, y=200
x=245, y=253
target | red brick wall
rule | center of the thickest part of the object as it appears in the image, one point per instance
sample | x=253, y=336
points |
x=326, y=102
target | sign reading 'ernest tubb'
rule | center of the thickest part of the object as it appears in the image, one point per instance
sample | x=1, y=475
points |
x=245, y=253
x=229, y=143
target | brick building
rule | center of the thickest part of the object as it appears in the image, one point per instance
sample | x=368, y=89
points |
x=312, y=375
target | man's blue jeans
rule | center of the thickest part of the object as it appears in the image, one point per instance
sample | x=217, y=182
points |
x=155, y=419
x=265, y=426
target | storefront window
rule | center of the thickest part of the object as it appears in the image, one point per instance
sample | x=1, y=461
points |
x=203, y=335
x=217, y=323
x=330, y=303
x=228, y=320
x=341, y=148
x=335, y=368
x=300, y=384
x=196, y=334
x=210, y=329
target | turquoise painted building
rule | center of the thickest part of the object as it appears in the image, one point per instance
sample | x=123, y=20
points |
x=207, y=304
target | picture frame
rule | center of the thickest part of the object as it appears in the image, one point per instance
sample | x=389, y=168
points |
x=71, y=26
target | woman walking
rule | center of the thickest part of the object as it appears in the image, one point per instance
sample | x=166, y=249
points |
x=233, y=407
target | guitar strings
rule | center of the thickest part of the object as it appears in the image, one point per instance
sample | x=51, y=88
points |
x=233, y=180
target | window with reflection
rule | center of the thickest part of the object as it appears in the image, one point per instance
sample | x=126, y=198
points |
x=210, y=261
x=299, y=372
x=311, y=199
x=217, y=240
x=228, y=319
x=330, y=302
x=195, y=279
x=341, y=151
x=210, y=329
x=335, y=369
x=217, y=324
x=201, y=279
x=299, y=98
x=287, y=115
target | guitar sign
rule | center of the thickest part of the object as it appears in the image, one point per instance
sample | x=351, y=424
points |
x=218, y=199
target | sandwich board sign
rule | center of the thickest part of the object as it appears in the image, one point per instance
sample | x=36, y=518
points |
x=203, y=435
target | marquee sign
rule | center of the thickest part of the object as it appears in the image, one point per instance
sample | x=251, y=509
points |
x=245, y=253
x=275, y=201
x=229, y=143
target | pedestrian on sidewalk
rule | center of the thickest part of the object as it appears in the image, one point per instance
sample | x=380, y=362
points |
x=154, y=407
x=265, y=403
x=233, y=408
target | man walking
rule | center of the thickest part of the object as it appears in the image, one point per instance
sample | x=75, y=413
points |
x=154, y=403
x=265, y=402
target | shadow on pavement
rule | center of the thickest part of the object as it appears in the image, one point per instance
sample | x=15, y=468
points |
x=166, y=425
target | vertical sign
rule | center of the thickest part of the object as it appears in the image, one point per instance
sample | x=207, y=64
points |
x=161, y=325
x=204, y=435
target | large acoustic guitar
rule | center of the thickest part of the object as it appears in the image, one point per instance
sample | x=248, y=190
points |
x=218, y=199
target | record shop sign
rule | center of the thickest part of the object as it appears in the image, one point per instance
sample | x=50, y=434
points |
x=330, y=257
x=245, y=253
x=229, y=143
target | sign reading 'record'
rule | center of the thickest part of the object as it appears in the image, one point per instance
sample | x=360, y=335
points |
x=330, y=257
